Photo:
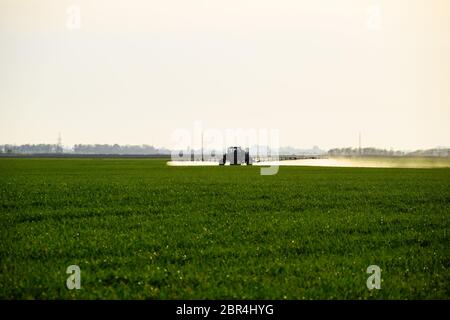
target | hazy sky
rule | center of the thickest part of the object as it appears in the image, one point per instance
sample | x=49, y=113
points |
x=318, y=70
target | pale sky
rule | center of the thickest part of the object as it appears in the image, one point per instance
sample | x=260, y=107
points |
x=320, y=71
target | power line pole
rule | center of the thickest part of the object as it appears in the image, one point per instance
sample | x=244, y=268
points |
x=359, y=143
x=59, y=143
x=202, y=147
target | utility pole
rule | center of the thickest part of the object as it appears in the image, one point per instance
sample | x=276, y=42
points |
x=359, y=142
x=202, y=148
x=59, y=143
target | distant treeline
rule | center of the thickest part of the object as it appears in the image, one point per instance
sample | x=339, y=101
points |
x=82, y=149
x=437, y=152
x=31, y=148
x=117, y=149
x=151, y=150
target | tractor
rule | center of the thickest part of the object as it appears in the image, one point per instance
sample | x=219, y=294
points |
x=236, y=156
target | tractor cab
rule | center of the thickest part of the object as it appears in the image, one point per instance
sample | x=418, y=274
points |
x=236, y=156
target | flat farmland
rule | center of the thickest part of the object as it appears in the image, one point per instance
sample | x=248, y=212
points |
x=139, y=229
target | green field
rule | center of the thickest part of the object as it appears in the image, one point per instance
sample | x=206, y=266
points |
x=139, y=229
